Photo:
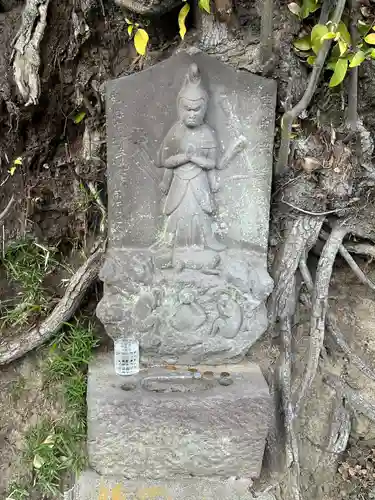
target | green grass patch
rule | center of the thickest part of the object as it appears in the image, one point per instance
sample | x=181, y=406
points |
x=54, y=449
x=26, y=263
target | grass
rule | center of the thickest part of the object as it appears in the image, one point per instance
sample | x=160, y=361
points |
x=26, y=263
x=54, y=449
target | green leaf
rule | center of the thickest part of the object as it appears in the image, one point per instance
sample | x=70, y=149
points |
x=12, y=170
x=318, y=31
x=358, y=59
x=18, y=161
x=308, y=7
x=370, y=39
x=329, y=36
x=363, y=28
x=302, y=43
x=331, y=65
x=311, y=60
x=38, y=462
x=130, y=29
x=204, y=5
x=141, y=41
x=78, y=118
x=343, y=47
x=372, y=55
x=182, y=18
x=294, y=8
x=339, y=74
x=344, y=33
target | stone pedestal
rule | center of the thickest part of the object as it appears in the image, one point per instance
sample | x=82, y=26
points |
x=171, y=425
x=92, y=486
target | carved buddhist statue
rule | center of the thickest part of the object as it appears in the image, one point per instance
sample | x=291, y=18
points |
x=189, y=156
x=189, y=291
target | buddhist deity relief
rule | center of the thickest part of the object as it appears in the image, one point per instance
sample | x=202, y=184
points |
x=190, y=156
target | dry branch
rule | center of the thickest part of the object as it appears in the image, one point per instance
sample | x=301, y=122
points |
x=6, y=210
x=291, y=115
x=319, y=305
x=85, y=276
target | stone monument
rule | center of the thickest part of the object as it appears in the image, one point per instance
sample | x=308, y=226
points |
x=189, y=174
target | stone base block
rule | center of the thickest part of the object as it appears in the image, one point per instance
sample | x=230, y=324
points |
x=164, y=424
x=91, y=486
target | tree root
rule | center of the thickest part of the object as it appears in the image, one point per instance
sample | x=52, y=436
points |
x=285, y=379
x=301, y=236
x=354, y=399
x=289, y=116
x=361, y=248
x=85, y=276
x=344, y=252
x=26, y=47
x=319, y=305
x=340, y=341
x=332, y=329
x=355, y=268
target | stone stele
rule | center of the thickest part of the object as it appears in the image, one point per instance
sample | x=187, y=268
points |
x=189, y=175
x=161, y=425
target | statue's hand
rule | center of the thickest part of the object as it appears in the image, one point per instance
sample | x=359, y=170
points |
x=190, y=151
x=163, y=187
x=215, y=186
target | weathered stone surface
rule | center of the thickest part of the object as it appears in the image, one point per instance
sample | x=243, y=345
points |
x=146, y=7
x=187, y=428
x=188, y=190
x=91, y=485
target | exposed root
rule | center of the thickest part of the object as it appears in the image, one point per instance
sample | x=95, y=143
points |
x=301, y=236
x=340, y=341
x=285, y=377
x=354, y=399
x=319, y=305
x=85, y=276
x=361, y=248
x=339, y=430
x=26, y=46
x=355, y=268
x=291, y=115
x=332, y=329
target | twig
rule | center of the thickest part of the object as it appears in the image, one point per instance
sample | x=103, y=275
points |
x=319, y=306
x=355, y=268
x=289, y=116
x=307, y=212
x=14, y=347
x=6, y=210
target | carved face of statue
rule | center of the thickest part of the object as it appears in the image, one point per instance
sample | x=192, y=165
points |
x=192, y=112
x=186, y=296
x=223, y=304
